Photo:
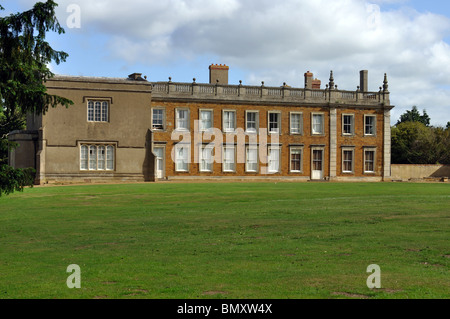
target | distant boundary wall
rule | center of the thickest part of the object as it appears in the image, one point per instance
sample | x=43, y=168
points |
x=416, y=171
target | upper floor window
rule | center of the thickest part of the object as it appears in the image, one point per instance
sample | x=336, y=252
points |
x=369, y=124
x=158, y=119
x=182, y=119
x=229, y=121
x=251, y=121
x=296, y=123
x=274, y=122
x=317, y=126
x=206, y=120
x=98, y=111
x=347, y=124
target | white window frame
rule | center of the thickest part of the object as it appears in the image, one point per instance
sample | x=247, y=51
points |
x=208, y=162
x=256, y=130
x=177, y=119
x=344, y=160
x=300, y=124
x=98, y=111
x=322, y=124
x=370, y=149
x=226, y=129
x=211, y=124
x=277, y=149
x=374, y=128
x=278, y=130
x=225, y=161
x=185, y=159
x=84, y=157
x=352, y=124
x=163, y=118
x=291, y=151
x=247, y=159
x=102, y=157
x=110, y=157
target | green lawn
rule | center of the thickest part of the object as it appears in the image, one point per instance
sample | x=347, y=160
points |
x=227, y=240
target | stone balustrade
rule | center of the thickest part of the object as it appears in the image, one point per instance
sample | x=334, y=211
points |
x=244, y=93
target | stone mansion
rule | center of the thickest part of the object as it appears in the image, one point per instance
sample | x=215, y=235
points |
x=131, y=129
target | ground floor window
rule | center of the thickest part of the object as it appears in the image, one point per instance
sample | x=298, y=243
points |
x=369, y=161
x=274, y=159
x=229, y=162
x=206, y=159
x=296, y=159
x=251, y=159
x=347, y=160
x=97, y=157
x=182, y=155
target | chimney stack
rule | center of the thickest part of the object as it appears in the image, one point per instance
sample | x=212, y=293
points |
x=308, y=80
x=364, y=80
x=136, y=77
x=218, y=73
x=316, y=84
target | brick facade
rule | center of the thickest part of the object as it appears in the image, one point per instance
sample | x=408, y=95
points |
x=139, y=135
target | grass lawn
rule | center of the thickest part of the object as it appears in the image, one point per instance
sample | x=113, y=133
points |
x=227, y=240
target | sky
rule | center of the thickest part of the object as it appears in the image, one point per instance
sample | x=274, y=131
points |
x=264, y=40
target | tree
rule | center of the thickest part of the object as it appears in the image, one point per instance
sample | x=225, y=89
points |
x=415, y=143
x=414, y=116
x=408, y=140
x=24, y=59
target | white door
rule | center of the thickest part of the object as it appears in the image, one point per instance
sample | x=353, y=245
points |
x=159, y=157
x=317, y=164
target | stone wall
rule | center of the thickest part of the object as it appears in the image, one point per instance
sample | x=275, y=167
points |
x=416, y=171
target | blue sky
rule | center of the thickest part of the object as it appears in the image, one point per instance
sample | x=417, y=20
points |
x=265, y=40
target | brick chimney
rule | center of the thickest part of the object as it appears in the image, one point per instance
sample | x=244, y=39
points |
x=218, y=73
x=316, y=84
x=308, y=80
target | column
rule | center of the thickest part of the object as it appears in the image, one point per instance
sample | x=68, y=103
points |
x=387, y=145
x=333, y=142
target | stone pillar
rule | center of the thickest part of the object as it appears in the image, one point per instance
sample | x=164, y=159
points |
x=333, y=143
x=40, y=158
x=387, y=145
